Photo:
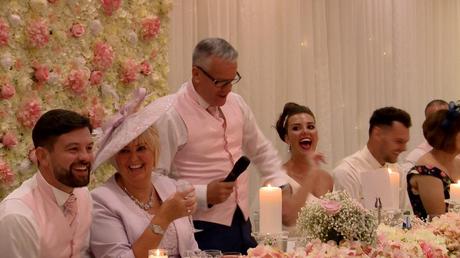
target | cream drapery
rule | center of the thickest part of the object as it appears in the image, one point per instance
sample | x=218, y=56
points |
x=342, y=58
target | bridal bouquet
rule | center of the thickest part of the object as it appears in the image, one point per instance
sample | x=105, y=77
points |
x=337, y=217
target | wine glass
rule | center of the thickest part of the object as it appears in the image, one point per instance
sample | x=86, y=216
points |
x=185, y=186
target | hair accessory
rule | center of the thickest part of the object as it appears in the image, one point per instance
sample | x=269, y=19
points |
x=128, y=124
x=452, y=113
x=116, y=119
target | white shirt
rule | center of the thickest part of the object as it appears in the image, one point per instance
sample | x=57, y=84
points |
x=173, y=135
x=413, y=156
x=18, y=226
x=347, y=174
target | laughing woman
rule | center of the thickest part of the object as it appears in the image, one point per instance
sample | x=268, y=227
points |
x=138, y=209
x=296, y=126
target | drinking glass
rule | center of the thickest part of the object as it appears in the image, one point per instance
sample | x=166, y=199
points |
x=212, y=253
x=184, y=186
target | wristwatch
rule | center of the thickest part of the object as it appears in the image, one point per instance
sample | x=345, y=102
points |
x=156, y=229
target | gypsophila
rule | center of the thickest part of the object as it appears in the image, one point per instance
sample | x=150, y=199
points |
x=336, y=216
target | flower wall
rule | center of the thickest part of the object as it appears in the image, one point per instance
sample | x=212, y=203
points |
x=83, y=55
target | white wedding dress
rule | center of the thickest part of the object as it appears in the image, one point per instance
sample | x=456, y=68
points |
x=311, y=198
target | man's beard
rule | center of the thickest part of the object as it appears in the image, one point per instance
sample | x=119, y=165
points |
x=66, y=177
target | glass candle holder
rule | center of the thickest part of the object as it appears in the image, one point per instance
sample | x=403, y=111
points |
x=158, y=253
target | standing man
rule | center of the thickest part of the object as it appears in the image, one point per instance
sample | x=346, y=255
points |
x=49, y=215
x=208, y=129
x=388, y=136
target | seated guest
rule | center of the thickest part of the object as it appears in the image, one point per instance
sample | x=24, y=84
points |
x=388, y=136
x=138, y=209
x=49, y=215
x=413, y=156
x=297, y=127
x=411, y=159
x=429, y=180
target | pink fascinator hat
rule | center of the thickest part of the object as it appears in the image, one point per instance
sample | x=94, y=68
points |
x=128, y=123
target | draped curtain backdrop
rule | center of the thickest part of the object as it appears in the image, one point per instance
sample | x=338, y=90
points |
x=343, y=59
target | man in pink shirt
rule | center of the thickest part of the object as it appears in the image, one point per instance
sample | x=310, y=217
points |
x=49, y=215
x=208, y=129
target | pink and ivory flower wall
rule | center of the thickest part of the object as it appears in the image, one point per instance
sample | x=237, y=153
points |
x=83, y=55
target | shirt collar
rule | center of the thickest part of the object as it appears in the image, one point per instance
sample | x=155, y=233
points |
x=198, y=98
x=370, y=158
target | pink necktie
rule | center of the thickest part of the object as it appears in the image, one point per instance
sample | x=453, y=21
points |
x=70, y=208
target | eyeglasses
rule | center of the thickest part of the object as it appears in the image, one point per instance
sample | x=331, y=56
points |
x=221, y=83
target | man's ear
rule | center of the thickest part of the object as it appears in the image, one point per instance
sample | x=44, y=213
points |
x=42, y=155
x=195, y=75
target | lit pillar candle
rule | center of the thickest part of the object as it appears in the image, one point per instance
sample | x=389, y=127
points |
x=270, y=209
x=394, y=183
x=455, y=191
x=158, y=253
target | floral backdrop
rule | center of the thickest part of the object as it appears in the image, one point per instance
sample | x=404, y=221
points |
x=84, y=55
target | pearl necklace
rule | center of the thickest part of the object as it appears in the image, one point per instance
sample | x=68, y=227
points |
x=145, y=206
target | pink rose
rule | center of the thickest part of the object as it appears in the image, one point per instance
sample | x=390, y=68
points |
x=77, y=81
x=103, y=56
x=38, y=33
x=128, y=72
x=29, y=113
x=145, y=68
x=4, y=33
x=41, y=74
x=77, y=30
x=96, y=77
x=150, y=27
x=7, y=91
x=9, y=140
x=331, y=207
x=96, y=113
x=110, y=6
x=6, y=175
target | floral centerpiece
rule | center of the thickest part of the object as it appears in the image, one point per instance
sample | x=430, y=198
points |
x=448, y=227
x=336, y=216
x=84, y=55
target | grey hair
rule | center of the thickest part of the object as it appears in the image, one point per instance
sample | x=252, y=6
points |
x=209, y=47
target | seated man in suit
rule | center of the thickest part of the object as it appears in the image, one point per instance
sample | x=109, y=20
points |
x=49, y=215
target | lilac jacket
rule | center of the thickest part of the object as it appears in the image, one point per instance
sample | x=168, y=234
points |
x=118, y=221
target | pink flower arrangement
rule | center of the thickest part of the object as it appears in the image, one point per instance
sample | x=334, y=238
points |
x=96, y=77
x=110, y=6
x=77, y=30
x=145, y=68
x=332, y=207
x=41, y=74
x=29, y=113
x=7, y=91
x=6, y=175
x=103, y=56
x=96, y=113
x=4, y=33
x=150, y=27
x=77, y=80
x=262, y=251
x=38, y=33
x=128, y=71
x=9, y=140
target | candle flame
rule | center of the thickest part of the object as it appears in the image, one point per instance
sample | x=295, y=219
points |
x=269, y=185
x=390, y=171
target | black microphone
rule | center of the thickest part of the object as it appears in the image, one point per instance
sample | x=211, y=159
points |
x=239, y=167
